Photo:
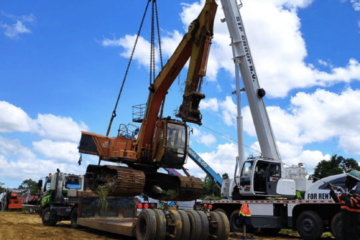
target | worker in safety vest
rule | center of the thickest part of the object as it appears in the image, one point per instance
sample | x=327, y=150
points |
x=350, y=207
x=244, y=215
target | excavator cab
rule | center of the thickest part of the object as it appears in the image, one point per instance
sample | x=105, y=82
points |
x=170, y=143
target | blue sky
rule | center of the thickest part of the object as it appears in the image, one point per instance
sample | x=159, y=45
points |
x=62, y=64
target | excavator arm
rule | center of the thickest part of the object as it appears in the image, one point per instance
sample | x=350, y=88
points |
x=194, y=45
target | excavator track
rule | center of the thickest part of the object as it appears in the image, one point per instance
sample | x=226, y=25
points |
x=118, y=181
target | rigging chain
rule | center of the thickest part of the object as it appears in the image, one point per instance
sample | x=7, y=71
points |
x=127, y=69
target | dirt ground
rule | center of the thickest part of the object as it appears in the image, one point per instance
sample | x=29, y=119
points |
x=16, y=225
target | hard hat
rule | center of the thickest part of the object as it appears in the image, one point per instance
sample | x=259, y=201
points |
x=354, y=174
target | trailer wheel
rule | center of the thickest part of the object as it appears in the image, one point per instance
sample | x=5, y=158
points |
x=309, y=225
x=160, y=224
x=185, y=234
x=46, y=218
x=218, y=229
x=220, y=210
x=336, y=225
x=73, y=218
x=204, y=226
x=195, y=225
x=174, y=226
x=226, y=224
x=146, y=225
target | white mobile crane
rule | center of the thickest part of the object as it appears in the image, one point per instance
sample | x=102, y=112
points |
x=262, y=182
x=261, y=176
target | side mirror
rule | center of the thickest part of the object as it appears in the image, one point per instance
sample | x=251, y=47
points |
x=40, y=183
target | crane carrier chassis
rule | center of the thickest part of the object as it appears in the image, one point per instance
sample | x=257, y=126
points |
x=121, y=216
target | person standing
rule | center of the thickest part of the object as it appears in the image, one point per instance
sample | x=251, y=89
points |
x=350, y=207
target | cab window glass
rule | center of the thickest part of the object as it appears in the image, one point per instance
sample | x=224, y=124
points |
x=274, y=170
x=72, y=183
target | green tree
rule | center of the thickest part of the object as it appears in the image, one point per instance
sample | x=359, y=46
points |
x=225, y=176
x=336, y=165
x=29, y=183
x=2, y=189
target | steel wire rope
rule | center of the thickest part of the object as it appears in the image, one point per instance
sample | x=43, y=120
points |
x=127, y=70
x=230, y=138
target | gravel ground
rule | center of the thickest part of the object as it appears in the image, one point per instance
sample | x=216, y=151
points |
x=15, y=225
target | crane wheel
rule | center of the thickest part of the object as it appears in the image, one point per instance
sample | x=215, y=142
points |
x=204, y=226
x=160, y=224
x=185, y=225
x=233, y=226
x=174, y=225
x=336, y=225
x=195, y=225
x=146, y=225
x=309, y=225
x=46, y=218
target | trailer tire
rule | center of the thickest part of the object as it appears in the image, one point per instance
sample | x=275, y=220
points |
x=220, y=231
x=46, y=218
x=226, y=224
x=73, y=218
x=195, y=225
x=204, y=226
x=185, y=225
x=220, y=210
x=309, y=225
x=146, y=225
x=336, y=225
x=176, y=225
x=160, y=224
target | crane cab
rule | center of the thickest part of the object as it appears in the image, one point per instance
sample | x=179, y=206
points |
x=170, y=143
x=263, y=177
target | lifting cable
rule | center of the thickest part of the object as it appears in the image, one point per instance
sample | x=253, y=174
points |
x=224, y=136
x=127, y=70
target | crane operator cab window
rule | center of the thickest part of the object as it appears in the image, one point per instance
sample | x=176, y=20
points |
x=261, y=170
x=176, y=143
x=245, y=180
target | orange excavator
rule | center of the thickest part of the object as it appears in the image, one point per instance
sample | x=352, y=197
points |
x=161, y=142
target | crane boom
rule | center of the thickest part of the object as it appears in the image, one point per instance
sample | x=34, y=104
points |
x=255, y=94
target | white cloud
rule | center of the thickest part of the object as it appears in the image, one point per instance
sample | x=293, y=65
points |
x=205, y=138
x=211, y=104
x=356, y=4
x=61, y=151
x=59, y=128
x=14, y=119
x=229, y=112
x=282, y=35
x=14, y=30
x=13, y=147
x=221, y=161
x=322, y=62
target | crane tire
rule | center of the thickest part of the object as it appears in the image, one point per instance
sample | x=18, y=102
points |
x=309, y=225
x=73, y=218
x=204, y=226
x=217, y=231
x=176, y=224
x=145, y=228
x=233, y=217
x=185, y=225
x=160, y=224
x=195, y=225
x=336, y=225
x=46, y=218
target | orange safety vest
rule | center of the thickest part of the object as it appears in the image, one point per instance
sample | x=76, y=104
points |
x=353, y=206
x=244, y=210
